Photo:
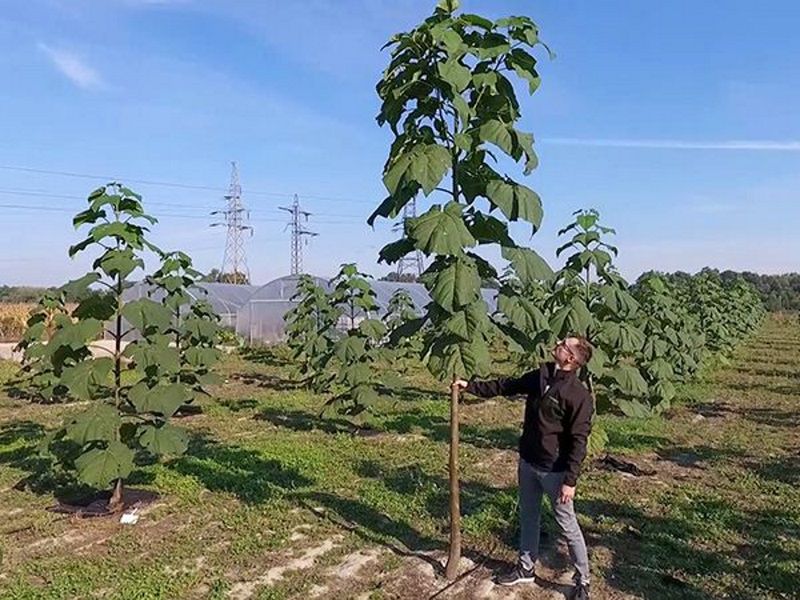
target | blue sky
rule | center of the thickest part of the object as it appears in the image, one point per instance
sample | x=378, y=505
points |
x=679, y=121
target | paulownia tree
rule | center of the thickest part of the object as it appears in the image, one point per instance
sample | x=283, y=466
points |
x=590, y=298
x=401, y=311
x=353, y=365
x=135, y=389
x=448, y=99
x=40, y=377
x=195, y=326
x=311, y=331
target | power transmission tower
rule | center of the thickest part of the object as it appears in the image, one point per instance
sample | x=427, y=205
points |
x=298, y=233
x=234, y=261
x=410, y=263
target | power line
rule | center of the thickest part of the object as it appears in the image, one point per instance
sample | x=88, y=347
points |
x=46, y=194
x=172, y=184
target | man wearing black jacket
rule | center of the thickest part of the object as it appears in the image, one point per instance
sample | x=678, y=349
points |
x=558, y=420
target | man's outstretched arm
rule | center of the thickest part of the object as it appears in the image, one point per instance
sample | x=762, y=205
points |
x=504, y=386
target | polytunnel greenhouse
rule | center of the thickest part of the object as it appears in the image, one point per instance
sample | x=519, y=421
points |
x=260, y=320
x=225, y=299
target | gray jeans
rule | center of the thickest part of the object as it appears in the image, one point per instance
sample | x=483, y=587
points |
x=533, y=484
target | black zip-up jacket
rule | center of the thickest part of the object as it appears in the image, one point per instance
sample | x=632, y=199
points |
x=558, y=417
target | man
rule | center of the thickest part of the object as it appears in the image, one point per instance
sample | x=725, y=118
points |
x=558, y=417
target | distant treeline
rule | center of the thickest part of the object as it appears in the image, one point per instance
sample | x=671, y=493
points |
x=778, y=292
x=27, y=294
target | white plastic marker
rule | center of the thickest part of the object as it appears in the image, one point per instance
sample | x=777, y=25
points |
x=129, y=518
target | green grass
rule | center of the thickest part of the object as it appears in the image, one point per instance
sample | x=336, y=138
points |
x=266, y=479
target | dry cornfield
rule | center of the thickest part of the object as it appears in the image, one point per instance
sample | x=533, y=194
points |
x=13, y=317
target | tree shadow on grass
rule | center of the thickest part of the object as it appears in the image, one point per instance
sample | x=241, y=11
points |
x=266, y=381
x=271, y=356
x=398, y=535
x=43, y=475
x=298, y=420
x=429, y=426
x=662, y=557
x=238, y=471
x=238, y=404
x=784, y=470
x=697, y=457
x=625, y=440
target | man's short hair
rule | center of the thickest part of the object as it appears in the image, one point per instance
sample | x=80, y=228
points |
x=582, y=349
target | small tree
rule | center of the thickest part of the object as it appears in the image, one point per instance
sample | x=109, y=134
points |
x=128, y=414
x=356, y=353
x=39, y=376
x=591, y=299
x=195, y=325
x=311, y=331
x=400, y=313
x=450, y=105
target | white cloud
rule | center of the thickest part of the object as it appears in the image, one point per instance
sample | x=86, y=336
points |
x=758, y=145
x=73, y=68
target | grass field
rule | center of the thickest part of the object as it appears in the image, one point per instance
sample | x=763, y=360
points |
x=273, y=502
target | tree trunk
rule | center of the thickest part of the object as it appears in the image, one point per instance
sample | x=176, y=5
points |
x=454, y=558
x=115, y=503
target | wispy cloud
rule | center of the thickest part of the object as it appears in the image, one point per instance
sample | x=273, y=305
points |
x=73, y=68
x=757, y=145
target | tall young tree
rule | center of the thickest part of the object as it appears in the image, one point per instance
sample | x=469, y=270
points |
x=448, y=98
x=134, y=389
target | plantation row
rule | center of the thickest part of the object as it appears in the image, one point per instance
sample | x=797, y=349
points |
x=648, y=337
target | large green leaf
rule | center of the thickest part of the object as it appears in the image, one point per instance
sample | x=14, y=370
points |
x=76, y=335
x=395, y=171
x=487, y=229
x=157, y=357
x=660, y=369
x=453, y=285
x=100, y=467
x=350, y=349
x=664, y=390
x=516, y=201
x=633, y=408
x=598, y=362
x=372, y=328
x=630, y=380
x=96, y=306
x=528, y=266
x=164, y=439
x=463, y=359
x=204, y=329
x=441, y=231
x=201, y=357
x=406, y=330
x=99, y=422
x=522, y=313
x=80, y=286
x=84, y=378
x=524, y=65
x=356, y=374
x=163, y=398
x=118, y=262
x=429, y=165
x=497, y=133
x=456, y=74
x=147, y=315
x=470, y=322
